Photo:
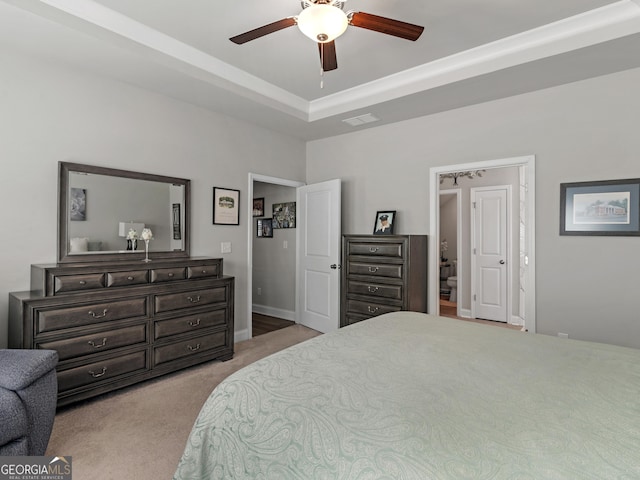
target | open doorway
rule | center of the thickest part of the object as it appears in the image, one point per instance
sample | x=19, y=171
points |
x=522, y=236
x=271, y=268
x=450, y=242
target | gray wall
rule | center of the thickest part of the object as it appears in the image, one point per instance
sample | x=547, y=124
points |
x=578, y=132
x=582, y=131
x=274, y=266
x=51, y=113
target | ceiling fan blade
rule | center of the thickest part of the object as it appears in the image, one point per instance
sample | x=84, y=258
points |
x=389, y=26
x=328, y=57
x=264, y=30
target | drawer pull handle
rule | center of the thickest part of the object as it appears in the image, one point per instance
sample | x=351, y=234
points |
x=373, y=249
x=98, y=345
x=98, y=315
x=82, y=282
x=193, y=349
x=372, y=310
x=98, y=375
x=373, y=269
x=194, y=324
x=129, y=278
x=170, y=275
x=372, y=289
x=204, y=272
x=194, y=300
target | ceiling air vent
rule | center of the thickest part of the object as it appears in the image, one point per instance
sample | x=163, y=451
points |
x=361, y=119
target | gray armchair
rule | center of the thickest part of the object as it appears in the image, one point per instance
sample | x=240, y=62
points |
x=28, y=396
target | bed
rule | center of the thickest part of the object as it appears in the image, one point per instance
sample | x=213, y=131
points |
x=415, y=396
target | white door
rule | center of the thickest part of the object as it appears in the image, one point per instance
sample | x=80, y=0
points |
x=318, y=266
x=490, y=252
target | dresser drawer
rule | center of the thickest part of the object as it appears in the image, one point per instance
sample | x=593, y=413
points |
x=103, y=370
x=57, y=319
x=204, y=271
x=98, y=342
x=167, y=274
x=190, y=347
x=393, y=292
x=190, y=323
x=192, y=298
x=78, y=283
x=370, y=308
x=375, y=269
x=387, y=249
x=123, y=279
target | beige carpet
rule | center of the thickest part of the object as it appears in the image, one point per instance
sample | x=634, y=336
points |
x=140, y=432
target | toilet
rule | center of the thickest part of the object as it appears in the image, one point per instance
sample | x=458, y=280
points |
x=453, y=283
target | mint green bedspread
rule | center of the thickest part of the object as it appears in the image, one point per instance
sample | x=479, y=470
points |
x=414, y=396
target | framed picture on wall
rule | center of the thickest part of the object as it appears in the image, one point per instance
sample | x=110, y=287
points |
x=384, y=222
x=226, y=206
x=258, y=207
x=608, y=207
x=78, y=205
x=284, y=215
x=177, y=229
x=264, y=228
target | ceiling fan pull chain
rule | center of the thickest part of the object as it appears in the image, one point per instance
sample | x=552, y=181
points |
x=322, y=65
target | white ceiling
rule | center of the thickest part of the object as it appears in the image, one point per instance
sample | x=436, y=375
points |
x=471, y=51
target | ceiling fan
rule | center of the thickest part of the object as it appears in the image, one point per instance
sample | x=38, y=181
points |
x=325, y=20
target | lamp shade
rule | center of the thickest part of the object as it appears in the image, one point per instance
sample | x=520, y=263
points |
x=124, y=227
x=322, y=23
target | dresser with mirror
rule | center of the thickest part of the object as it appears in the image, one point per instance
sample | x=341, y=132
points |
x=116, y=313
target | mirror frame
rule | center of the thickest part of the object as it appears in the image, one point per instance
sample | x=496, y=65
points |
x=64, y=168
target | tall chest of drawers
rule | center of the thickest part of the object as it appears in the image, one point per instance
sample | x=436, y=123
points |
x=116, y=324
x=382, y=274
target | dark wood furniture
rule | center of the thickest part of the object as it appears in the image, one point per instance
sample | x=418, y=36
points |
x=114, y=324
x=382, y=274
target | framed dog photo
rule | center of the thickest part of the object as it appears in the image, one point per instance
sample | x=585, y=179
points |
x=385, y=220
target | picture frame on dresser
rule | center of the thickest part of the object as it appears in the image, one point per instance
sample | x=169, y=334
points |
x=384, y=222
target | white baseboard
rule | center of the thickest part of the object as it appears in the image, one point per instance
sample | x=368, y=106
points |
x=515, y=319
x=241, y=335
x=275, y=312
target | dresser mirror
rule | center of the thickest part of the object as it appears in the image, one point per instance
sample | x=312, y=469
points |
x=102, y=211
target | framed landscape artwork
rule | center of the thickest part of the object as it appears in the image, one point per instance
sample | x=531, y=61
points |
x=608, y=207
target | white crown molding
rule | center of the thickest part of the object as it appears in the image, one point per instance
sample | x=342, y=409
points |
x=99, y=21
x=599, y=25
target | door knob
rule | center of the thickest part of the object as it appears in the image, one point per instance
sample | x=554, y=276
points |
x=501, y=262
x=334, y=266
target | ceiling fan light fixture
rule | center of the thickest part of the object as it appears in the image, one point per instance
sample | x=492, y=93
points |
x=322, y=22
